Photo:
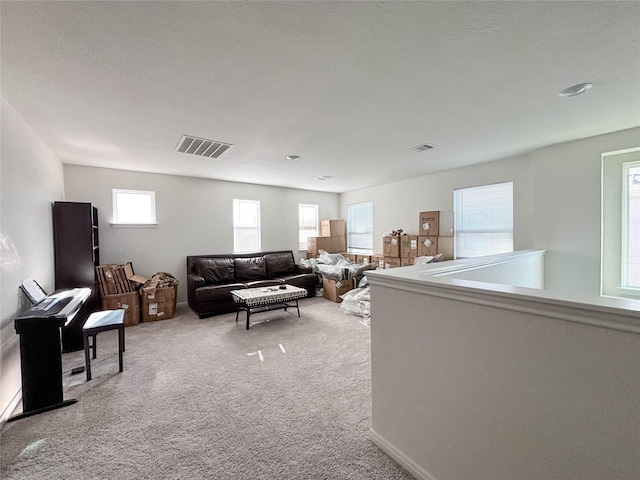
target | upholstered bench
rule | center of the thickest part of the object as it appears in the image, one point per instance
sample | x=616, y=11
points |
x=101, y=322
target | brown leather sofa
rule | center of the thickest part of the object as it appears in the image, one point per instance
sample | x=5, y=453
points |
x=210, y=278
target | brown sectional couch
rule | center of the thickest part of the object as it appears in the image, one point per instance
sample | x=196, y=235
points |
x=210, y=278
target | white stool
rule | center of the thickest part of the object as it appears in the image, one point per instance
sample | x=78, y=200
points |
x=101, y=322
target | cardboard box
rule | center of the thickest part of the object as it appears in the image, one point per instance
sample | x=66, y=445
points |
x=392, y=262
x=159, y=306
x=427, y=246
x=315, y=244
x=115, y=278
x=429, y=223
x=446, y=224
x=406, y=261
x=363, y=258
x=445, y=247
x=431, y=246
x=436, y=224
x=332, y=289
x=391, y=246
x=130, y=302
x=378, y=259
x=332, y=228
x=409, y=246
x=338, y=244
x=328, y=244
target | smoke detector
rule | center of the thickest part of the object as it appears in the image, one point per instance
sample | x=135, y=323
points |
x=202, y=146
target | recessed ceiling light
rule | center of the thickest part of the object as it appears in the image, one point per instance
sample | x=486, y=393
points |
x=293, y=158
x=575, y=90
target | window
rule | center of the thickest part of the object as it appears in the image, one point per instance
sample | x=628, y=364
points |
x=631, y=226
x=621, y=224
x=246, y=226
x=483, y=220
x=360, y=227
x=307, y=223
x=134, y=207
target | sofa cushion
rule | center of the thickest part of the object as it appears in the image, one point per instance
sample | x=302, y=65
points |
x=218, y=293
x=279, y=264
x=216, y=270
x=251, y=268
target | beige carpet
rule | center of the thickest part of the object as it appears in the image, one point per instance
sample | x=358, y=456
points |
x=205, y=399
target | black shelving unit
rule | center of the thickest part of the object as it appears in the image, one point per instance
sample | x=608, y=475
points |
x=77, y=252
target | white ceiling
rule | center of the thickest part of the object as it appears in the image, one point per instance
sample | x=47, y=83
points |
x=347, y=86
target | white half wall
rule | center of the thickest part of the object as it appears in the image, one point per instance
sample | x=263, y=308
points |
x=31, y=179
x=195, y=217
x=473, y=380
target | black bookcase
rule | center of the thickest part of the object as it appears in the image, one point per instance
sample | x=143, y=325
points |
x=77, y=252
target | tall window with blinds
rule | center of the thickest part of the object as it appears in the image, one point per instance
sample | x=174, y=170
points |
x=360, y=227
x=483, y=220
x=620, y=235
x=246, y=226
x=307, y=223
x=631, y=226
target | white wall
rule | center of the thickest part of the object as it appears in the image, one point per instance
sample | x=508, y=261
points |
x=397, y=205
x=195, y=217
x=31, y=179
x=556, y=204
x=567, y=209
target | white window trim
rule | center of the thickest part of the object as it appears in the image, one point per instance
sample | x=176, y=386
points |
x=152, y=214
x=614, y=226
x=624, y=265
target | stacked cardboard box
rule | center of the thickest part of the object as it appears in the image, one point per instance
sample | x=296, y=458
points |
x=435, y=234
x=391, y=249
x=349, y=256
x=378, y=259
x=118, y=287
x=332, y=240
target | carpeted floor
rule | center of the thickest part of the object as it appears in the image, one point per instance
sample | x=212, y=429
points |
x=205, y=399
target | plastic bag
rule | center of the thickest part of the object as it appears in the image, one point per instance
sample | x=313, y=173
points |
x=357, y=302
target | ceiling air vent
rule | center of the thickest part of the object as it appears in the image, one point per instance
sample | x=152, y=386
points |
x=202, y=146
x=422, y=147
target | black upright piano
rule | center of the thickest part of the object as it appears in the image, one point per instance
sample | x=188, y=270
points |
x=41, y=351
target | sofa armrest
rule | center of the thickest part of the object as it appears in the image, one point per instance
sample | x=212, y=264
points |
x=193, y=282
x=301, y=269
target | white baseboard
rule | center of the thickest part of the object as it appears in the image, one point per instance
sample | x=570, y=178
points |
x=11, y=407
x=406, y=463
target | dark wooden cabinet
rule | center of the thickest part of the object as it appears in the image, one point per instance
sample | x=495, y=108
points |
x=77, y=252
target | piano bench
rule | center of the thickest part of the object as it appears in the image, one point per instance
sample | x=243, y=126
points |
x=101, y=322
